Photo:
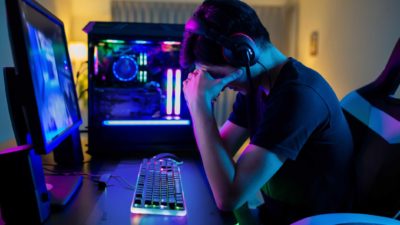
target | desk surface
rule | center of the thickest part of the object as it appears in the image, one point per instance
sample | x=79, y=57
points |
x=112, y=206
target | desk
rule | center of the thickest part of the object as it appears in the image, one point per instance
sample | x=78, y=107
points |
x=112, y=206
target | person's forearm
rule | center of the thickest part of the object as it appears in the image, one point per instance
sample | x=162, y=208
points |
x=217, y=163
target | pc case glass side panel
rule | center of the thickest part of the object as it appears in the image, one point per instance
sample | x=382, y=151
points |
x=154, y=94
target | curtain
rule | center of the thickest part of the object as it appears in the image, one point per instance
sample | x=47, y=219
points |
x=279, y=21
x=151, y=12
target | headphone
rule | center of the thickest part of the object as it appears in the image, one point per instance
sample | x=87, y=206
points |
x=239, y=50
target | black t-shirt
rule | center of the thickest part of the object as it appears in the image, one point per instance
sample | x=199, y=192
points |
x=302, y=119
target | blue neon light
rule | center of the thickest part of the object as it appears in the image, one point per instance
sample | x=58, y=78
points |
x=144, y=122
x=125, y=68
x=142, y=42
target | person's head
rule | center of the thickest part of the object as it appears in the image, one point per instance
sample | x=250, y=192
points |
x=226, y=17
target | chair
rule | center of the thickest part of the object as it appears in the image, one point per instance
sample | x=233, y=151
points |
x=374, y=119
x=373, y=115
x=346, y=219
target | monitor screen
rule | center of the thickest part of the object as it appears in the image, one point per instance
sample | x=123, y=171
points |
x=51, y=73
x=47, y=70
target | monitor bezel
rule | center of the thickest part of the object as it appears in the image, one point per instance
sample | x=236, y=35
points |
x=18, y=39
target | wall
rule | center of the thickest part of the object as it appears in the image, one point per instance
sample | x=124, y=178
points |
x=82, y=12
x=355, y=39
x=5, y=60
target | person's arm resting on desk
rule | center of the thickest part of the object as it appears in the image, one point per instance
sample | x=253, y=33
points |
x=232, y=183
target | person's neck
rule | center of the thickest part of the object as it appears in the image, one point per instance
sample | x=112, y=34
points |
x=271, y=62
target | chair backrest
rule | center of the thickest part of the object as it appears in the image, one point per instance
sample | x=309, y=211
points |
x=374, y=119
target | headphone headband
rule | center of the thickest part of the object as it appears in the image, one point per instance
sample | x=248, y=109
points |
x=238, y=49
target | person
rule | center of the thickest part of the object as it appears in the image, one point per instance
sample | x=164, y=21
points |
x=300, y=146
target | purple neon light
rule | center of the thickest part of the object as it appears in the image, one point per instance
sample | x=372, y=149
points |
x=96, y=61
x=16, y=149
x=144, y=122
x=169, y=91
x=178, y=80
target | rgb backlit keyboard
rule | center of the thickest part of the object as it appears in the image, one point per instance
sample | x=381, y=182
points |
x=158, y=189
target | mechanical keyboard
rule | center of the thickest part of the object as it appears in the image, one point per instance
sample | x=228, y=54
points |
x=158, y=188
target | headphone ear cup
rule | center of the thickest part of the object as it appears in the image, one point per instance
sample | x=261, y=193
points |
x=241, y=46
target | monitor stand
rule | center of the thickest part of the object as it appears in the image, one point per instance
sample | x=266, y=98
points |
x=21, y=169
x=62, y=188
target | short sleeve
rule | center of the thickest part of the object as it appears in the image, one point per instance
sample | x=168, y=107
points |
x=289, y=118
x=238, y=115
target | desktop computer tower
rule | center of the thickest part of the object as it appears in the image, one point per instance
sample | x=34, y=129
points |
x=135, y=98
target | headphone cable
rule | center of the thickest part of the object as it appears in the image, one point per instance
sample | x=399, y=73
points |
x=250, y=100
x=248, y=73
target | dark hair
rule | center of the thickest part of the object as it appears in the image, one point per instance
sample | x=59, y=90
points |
x=227, y=17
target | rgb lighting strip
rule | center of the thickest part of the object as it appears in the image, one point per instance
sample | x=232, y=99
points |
x=169, y=91
x=174, y=96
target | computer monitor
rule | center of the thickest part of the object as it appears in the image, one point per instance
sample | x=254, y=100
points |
x=45, y=78
x=44, y=112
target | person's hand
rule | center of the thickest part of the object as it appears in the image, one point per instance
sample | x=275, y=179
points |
x=200, y=88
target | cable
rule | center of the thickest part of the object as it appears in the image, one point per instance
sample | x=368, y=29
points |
x=96, y=178
x=130, y=187
x=248, y=73
x=80, y=68
x=82, y=92
x=250, y=99
x=397, y=216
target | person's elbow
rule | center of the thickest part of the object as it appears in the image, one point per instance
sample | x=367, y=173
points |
x=228, y=203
